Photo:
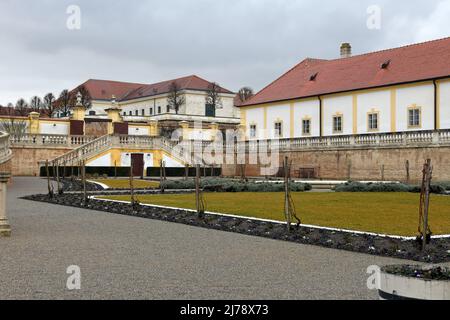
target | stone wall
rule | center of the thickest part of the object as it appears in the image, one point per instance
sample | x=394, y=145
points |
x=25, y=160
x=363, y=164
x=97, y=129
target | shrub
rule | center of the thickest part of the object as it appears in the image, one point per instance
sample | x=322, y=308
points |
x=385, y=187
x=230, y=185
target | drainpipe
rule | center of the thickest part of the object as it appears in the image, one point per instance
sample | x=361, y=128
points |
x=320, y=116
x=435, y=105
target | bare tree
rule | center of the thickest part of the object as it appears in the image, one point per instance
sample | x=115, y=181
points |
x=175, y=99
x=213, y=96
x=66, y=102
x=36, y=104
x=49, y=105
x=22, y=108
x=245, y=93
x=86, y=99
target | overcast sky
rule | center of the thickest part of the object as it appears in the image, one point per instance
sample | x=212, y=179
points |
x=232, y=42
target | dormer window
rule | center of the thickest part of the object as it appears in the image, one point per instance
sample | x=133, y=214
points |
x=313, y=77
x=385, y=64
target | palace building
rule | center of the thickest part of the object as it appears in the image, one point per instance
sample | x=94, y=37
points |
x=396, y=90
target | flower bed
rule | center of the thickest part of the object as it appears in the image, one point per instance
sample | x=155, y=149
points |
x=398, y=247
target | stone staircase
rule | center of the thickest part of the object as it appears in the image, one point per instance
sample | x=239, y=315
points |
x=107, y=142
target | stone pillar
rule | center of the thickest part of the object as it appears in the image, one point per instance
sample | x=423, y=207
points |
x=113, y=114
x=153, y=130
x=184, y=125
x=242, y=134
x=214, y=127
x=34, y=122
x=5, y=229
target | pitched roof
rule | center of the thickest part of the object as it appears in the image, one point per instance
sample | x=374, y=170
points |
x=186, y=83
x=104, y=89
x=423, y=61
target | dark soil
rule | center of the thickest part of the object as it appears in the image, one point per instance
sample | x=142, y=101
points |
x=435, y=273
x=437, y=250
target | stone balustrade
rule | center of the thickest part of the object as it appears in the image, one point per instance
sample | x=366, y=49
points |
x=5, y=155
x=40, y=140
x=5, y=151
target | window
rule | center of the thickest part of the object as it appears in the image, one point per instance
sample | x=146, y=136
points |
x=131, y=113
x=306, y=126
x=151, y=111
x=414, y=117
x=372, y=121
x=136, y=112
x=159, y=109
x=278, y=129
x=337, y=124
x=143, y=112
x=92, y=113
x=124, y=113
x=253, y=131
x=167, y=108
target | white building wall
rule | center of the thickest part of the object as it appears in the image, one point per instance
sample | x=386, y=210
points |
x=444, y=106
x=255, y=117
x=103, y=161
x=138, y=131
x=337, y=105
x=380, y=102
x=421, y=96
x=277, y=113
x=307, y=109
x=54, y=128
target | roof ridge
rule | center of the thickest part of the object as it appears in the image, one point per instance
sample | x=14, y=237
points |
x=392, y=49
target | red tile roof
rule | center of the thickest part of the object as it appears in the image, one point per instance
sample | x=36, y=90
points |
x=424, y=61
x=104, y=89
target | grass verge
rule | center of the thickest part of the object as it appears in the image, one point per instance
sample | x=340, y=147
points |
x=388, y=213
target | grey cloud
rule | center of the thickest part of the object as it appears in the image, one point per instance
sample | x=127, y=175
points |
x=234, y=42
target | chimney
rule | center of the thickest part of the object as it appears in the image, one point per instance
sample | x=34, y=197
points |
x=346, y=50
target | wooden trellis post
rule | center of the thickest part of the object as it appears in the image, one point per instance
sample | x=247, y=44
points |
x=287, y=213
x=49, y=185
x=424, y=228
x=57, y=179
x=407, y=171
x=289, y=208
x=83, y=175
x=161, y=175
x=133, y=200
x=198, y=196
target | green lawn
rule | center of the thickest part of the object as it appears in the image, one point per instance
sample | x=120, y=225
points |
x=390, y=213
x=125, y=183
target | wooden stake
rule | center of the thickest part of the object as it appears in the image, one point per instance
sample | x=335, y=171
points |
x=427, y=177
x=83, y=174
x=115, y=169
x=57, y=180
x=407, y=171
x=382, y=172
x=49, y=185
x=186, y=171
x=287, y=213
x=197, y=191
x=132, y=184
x=161, y=180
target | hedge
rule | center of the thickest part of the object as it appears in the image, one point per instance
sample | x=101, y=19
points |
x=231, y=185
x=387, y=187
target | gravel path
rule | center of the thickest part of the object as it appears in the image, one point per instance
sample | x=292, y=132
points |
x=131, y=258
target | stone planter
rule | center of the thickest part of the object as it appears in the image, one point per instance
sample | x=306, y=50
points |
x=414, y=283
